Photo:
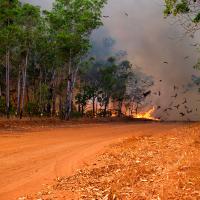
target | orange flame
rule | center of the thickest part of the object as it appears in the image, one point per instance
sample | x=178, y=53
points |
x=146, y=115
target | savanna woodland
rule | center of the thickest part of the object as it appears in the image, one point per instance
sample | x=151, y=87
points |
x=102, y=100
x=46, y=68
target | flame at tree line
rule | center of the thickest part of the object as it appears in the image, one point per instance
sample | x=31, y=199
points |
x=146, y=115
x=142, y=115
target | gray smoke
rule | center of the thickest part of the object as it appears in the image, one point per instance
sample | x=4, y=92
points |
x=157, y=46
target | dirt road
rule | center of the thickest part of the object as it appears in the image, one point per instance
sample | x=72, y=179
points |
x=29, y=160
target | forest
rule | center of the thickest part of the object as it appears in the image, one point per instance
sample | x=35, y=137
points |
x=46, y=68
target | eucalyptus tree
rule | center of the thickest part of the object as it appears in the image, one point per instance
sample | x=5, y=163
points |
x=123, y=72
x=29, y=19
x=72, y=23
x=89, y=83
x=108, y=80
x=9, y=30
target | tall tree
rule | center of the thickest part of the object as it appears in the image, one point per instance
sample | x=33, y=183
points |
x=29, y=20
x=9, y=14
x=72, y=23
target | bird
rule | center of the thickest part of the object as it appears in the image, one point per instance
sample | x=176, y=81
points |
x=177, y=106
x=195, y=44
x=159, y=93
x=186, y=57
x=147, y=93
x=165, y=62
x=185, y=101
x=159, y=107
x=175, y=95
x=175, y=87
x=186, y=107
x=126, y=14
x=182, y=114
x=160, y=80
x=106, y=16
x=189, y=111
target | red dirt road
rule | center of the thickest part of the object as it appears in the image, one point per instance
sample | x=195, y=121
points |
x=30, y=159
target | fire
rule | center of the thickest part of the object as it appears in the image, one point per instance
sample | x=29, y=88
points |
x=146, y=115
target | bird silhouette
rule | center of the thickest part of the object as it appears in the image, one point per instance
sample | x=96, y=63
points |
x=182, y=114
x=126, y=14
x=185, y=101
x=147, y=93
x=177, y=106
x=189, y=111
x=165, y=62
x=175, y=87
x=194, y=45
x=106, y=16
x=175, y=95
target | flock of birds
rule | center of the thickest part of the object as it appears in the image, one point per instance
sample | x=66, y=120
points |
x=182, y=107
x=107, y=16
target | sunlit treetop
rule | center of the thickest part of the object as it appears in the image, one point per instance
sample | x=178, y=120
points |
x=188, y=7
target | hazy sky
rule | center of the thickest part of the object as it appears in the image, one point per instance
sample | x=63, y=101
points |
x=151, y=40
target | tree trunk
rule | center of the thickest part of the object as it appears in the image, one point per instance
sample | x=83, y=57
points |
x=120, y=109
x=93, y=106
x=106, y=106
x=69, y=99
x=53, y=94
x=68, y=104
x=72, y=74
x=8, y=83
x=61, y=108
x=19, y=92
x=54, y=105
x=24, y=84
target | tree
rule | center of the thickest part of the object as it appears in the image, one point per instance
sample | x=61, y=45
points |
x=9, y=29
x=29, y=18
x=72, y=23
x=138, y=84
x=119, y=91
x=187, y=11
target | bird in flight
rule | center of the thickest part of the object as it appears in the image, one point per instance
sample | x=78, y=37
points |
x=175, y=87
x=182, y=114
x=126, y=14
x=185, y=101
x=175, y=95
x=177, y=106
x=106, y=16
x=186, y=57
x=147, y=93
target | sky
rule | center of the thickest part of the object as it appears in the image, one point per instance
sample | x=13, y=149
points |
x=150, y=40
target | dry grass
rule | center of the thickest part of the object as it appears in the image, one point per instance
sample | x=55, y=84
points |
x=143, y=168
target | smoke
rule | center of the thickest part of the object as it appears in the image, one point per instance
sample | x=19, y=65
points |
x=157, y=46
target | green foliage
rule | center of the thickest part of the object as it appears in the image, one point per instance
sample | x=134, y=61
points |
x=76, y=115
x=2, y=106
x=32, y=108
x=197, y=18
x=181, y=7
